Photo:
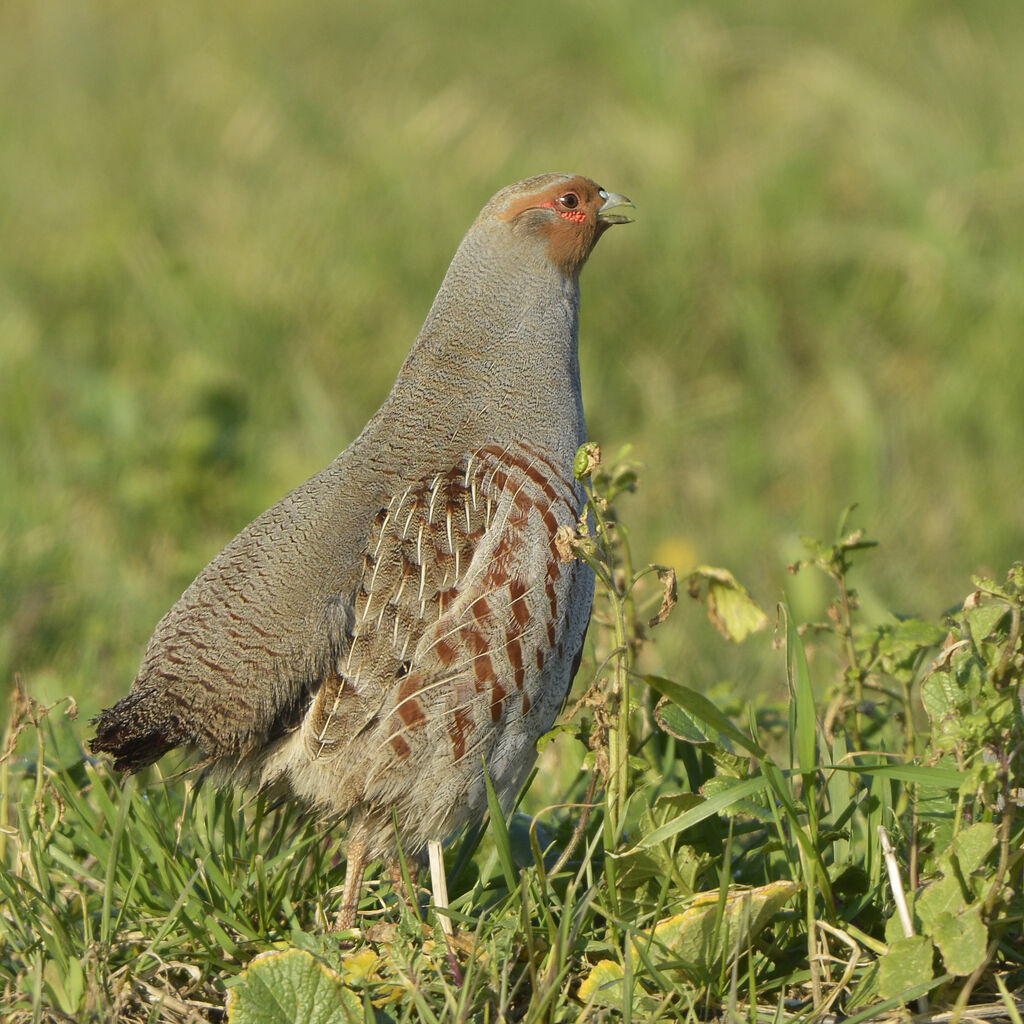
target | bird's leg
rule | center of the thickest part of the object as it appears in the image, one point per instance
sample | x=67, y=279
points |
x=355, y=868
x=409, y=894
x=439, y=884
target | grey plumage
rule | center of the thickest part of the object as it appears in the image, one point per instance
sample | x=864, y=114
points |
x=403, y=614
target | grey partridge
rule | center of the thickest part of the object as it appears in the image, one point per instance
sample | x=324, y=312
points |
x=402, y=623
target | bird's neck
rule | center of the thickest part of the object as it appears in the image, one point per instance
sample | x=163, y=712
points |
x=496, y=360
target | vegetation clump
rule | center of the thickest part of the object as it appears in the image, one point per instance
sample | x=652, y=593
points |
x=853, y=849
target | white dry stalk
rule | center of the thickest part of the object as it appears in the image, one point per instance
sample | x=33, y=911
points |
x=439, y=884
x=898, y=895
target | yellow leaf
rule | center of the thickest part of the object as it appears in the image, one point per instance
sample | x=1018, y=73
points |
x=731, y=609
x=603, y=985
x=359, y=967
x=698, y=938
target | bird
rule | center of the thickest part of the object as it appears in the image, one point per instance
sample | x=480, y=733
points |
x=404, y=625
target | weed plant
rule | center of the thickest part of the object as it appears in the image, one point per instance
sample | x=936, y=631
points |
x=857, y=854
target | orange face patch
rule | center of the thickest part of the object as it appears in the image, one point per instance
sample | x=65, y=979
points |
x=574, y=230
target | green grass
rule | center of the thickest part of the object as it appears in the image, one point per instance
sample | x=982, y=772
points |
x=222, y=226
x=677, y=864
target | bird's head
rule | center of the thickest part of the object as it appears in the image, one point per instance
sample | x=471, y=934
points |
x=566, y=212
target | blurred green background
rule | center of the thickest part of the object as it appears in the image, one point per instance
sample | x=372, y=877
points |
x=222, y=225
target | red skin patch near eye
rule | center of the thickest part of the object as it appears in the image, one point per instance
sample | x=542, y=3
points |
x=577, y=216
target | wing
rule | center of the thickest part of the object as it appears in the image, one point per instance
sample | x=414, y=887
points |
x=466, y=623
x=236, y=660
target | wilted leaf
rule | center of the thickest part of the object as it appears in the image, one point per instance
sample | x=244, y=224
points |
x=733, y=612
x=565, y=536
x=587, y=459
x=907, y=963
x=283, y=987
x=669, y=596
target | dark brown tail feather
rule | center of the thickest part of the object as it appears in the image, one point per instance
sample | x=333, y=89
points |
x=134, y=735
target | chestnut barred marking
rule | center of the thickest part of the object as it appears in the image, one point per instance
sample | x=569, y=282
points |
x=520, y=610
x=498, y=695
x=552, y=596
x=409, y=708
x=514, y=652
x=461, y=724
x=454, y=655
x=445, y=652
x=483, y=671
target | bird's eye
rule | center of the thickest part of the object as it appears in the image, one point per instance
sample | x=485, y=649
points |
x=569, y=201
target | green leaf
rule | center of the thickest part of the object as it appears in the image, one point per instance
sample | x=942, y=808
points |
x=905, y=965
x=970, y=847
x=724, y=784
x=683, y=725
x=984, y=618
x=289, y=986
x=67, y=988
x=840, y=799
x=732, y=794
x=876, y=1011
x=735, y=766
x=940, y=696
x=962, y=940
x=499, y=833
x=554, y=733
x=587, y=459
x=943, y=897
x=917, y=633
x=803, y=698
x=923, y=775
x=703, y=711
x=678, y=722
x=676, y=803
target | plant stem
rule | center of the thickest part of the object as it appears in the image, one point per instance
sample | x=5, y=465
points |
x=851, y=654
x=618, y=732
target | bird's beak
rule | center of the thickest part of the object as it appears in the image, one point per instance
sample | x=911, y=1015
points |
x=611, y=212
